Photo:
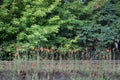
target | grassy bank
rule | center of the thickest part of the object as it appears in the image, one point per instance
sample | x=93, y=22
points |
x=20, y=69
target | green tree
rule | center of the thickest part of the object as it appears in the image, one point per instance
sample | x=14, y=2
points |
x=27, y=23
x=102, y=28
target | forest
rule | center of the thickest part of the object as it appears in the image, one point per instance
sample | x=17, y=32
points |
x=90, y=27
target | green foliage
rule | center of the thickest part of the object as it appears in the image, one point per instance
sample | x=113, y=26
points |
x=27, y=22
x=32, y=23
x=94, y=35
x=102, y=29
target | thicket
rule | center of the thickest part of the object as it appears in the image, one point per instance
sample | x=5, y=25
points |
x=62, y=25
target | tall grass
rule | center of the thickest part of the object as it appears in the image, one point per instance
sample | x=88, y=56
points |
x=46, y=64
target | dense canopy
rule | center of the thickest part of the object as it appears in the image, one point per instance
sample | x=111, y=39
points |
x=62, y=24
